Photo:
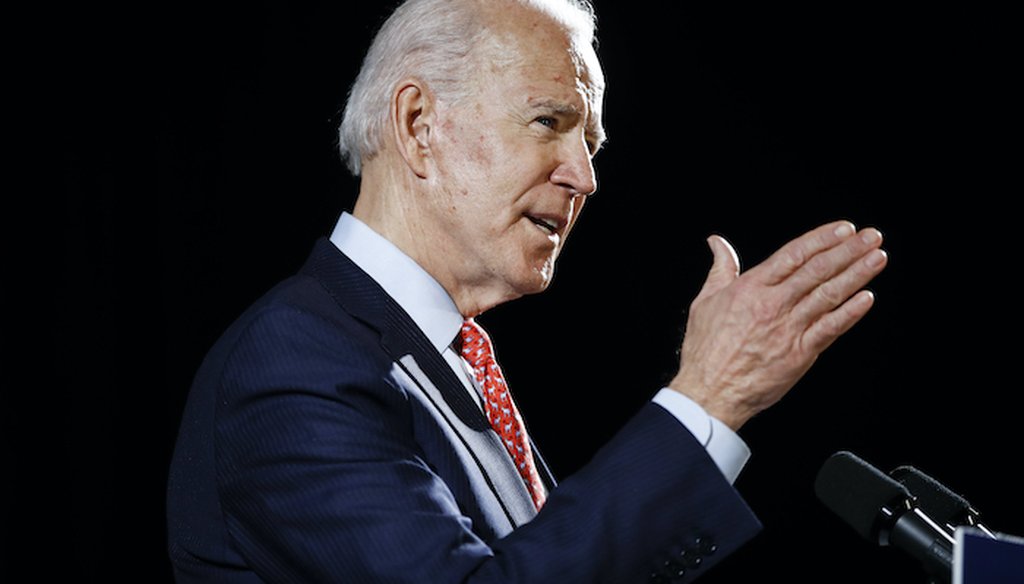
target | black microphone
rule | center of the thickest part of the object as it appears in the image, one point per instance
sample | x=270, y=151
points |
x=943, y=505
x=882, y=511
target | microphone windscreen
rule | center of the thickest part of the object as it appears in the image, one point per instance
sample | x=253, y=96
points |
x=934, y=498
x=856, y=492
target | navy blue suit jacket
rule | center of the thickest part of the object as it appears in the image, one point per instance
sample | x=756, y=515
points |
x=326, y=440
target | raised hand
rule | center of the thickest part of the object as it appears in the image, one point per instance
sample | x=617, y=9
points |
x=751, y=336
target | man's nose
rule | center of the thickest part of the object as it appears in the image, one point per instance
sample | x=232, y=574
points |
x=575, y=170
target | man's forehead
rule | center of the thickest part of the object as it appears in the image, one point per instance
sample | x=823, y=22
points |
x=517, y=27
x=558, y=62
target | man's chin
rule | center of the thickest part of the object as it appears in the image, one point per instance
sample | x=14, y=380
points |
x=538, y=281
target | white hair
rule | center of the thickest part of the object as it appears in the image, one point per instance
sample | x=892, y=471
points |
x=433, y=40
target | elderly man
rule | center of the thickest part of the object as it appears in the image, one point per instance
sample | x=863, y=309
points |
x=352, y=426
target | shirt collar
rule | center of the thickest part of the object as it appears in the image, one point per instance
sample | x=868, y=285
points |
x=416, y=291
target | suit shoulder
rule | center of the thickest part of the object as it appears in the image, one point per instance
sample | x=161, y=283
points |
x=298, y=328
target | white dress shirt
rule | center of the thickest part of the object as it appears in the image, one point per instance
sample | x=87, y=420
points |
x=434, y=311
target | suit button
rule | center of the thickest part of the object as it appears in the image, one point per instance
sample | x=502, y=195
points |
x=658, y=578
x=675, y=569
x=706, y=546
x=690, y=558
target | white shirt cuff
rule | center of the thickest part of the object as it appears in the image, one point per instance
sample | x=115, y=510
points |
x=725, y=447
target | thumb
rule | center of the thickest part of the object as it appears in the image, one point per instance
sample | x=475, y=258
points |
x=725, y=266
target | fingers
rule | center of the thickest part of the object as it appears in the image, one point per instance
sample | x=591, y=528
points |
x=829, y=278
x=834, y=324
x=726, y=260
x=794, y=255
x=825, y=273
x=840, y=302
x=821, y=269
x=725, y=266
x=818, y=279
x=750, y=337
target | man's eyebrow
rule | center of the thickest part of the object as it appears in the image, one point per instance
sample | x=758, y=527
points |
x=594, y=130
x=556, y=106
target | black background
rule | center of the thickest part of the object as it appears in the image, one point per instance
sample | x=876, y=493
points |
x=194, y=156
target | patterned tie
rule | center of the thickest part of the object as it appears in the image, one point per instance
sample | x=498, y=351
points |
x=498, y=405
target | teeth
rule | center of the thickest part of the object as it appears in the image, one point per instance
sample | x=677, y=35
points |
x=548, y=225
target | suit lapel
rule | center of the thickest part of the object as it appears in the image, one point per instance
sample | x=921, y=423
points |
x=483, y=457
x=363, y=298
x=453, y=406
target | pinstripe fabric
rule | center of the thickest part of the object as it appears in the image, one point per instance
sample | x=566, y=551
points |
x=325, y=440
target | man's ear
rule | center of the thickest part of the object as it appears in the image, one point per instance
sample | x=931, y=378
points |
x=413, y=114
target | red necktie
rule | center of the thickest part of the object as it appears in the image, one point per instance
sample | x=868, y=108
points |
x=498, y=405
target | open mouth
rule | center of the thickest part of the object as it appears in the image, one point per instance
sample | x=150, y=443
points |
x=548, y=226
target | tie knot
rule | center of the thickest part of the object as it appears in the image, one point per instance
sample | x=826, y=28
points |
x=476, y=345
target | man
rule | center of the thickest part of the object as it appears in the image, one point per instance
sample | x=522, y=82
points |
x=340, y=431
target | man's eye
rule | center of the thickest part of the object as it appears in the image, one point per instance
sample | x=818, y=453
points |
x=547, y=121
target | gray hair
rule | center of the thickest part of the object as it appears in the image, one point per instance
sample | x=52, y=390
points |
x=433, y=40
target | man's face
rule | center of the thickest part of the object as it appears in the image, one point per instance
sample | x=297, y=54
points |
x=514, y=162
